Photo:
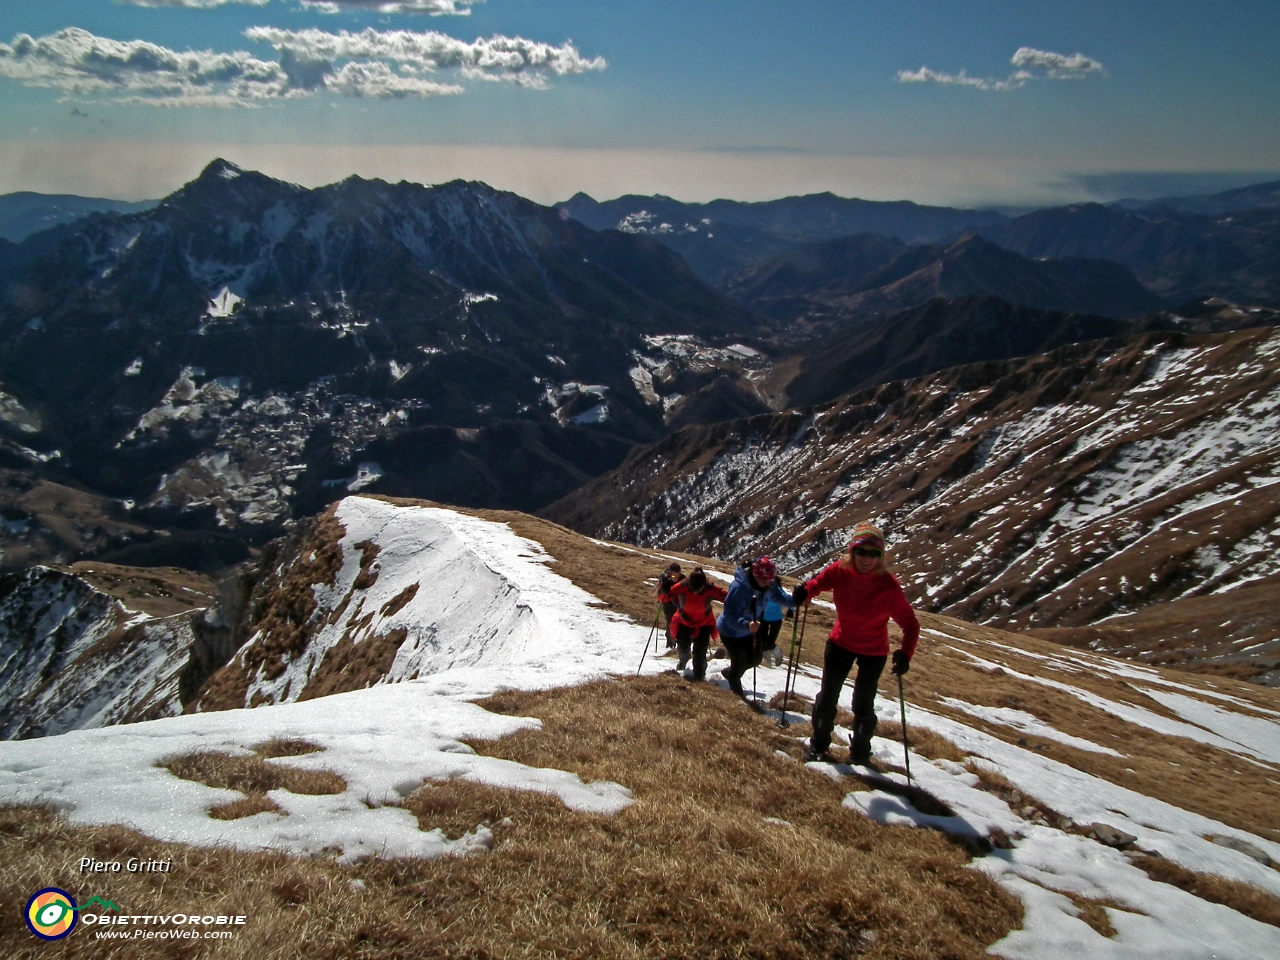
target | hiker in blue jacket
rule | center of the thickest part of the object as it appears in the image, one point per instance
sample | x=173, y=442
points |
x=741, y=622
x=769, y=630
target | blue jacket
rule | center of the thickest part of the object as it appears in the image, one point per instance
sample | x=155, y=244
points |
x=745, y=603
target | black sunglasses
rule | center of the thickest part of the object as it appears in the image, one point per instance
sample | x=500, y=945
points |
x=866, y=552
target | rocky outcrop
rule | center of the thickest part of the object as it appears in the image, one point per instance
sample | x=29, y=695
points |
x=73, y=655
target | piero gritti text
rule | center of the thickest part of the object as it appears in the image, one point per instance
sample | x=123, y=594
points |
x=131, y=865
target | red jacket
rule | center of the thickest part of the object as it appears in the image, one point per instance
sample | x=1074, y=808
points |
x=695, y=608
x=864, y=604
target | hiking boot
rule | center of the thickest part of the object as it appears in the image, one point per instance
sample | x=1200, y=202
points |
x=860, y=747
x=818, y=756
x=735, y=683
x=684, y=662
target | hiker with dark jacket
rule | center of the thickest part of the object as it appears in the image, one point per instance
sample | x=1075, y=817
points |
x=867, y=596
x=695, y=619
x=670, y=577
x=741, y=621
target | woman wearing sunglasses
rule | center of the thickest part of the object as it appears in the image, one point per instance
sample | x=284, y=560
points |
x=867, y=596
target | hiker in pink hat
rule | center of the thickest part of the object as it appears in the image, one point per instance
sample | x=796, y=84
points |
x=867, y=596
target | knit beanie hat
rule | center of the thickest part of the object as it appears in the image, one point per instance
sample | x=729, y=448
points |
x=867, y=534
x=764, y=569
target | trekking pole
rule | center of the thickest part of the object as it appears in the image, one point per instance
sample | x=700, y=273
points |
x=656, y=617
x=902, y=701
x=791, y=667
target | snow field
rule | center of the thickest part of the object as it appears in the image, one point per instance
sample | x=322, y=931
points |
x=383, y=741
x=490, y=614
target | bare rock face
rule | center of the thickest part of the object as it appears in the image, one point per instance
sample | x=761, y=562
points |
x=94, y=646
x=1094, y=482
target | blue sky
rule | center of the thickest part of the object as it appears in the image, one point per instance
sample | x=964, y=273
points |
x=941, y=102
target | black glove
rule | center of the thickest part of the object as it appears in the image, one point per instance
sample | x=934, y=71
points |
x=901, y=662
x=799, y=594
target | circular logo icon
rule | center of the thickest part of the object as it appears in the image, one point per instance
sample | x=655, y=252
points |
x=51, y=913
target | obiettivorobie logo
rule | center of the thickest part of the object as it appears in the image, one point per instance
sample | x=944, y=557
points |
x=52, y=913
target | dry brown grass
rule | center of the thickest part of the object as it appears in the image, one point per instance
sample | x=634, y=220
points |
x=253, y=777
x=159, y=591
x=457, y=806
x=1240, y=897
x=927, y=743
x=38, y=849
x=288, y=602
x=286, y=747
x=246, y=806
x=705, y=777
x=691, y=869
x=1093, y=913
x=251, y=774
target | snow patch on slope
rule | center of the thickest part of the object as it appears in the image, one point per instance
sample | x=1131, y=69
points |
x=384, y=742
x=483, y=611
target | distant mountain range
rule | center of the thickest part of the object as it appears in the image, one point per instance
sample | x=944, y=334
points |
x=1178, y=256
x=943, y=333
x=178, y=383
x=25, y=213
x=1224, y=245
x=227, y=354
x=854, y=279
x=723, y=238
x=1253, y=197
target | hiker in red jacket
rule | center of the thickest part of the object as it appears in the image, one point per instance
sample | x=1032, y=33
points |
x=867, y=595
x=694, y=620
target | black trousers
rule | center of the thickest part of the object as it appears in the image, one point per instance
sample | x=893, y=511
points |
x=768, y=634
x=744, y=653
x=697, y=638
x=836, y=664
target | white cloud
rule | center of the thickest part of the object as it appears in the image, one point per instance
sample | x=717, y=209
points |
x=437, y=8
x=1057, y=66
x=383, y=65
x=516, y=59
x=376, y=79
x=81, y=64
x=194, y=4
x=925, y=75
x=1031, y=64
